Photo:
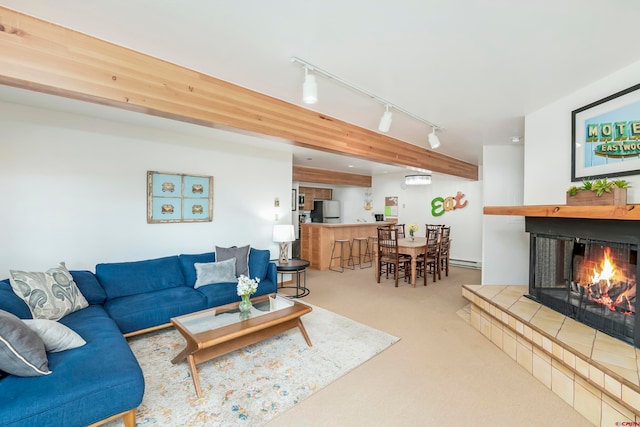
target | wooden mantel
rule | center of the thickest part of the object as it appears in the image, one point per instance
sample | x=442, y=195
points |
x=618, y=212
x=45, y=57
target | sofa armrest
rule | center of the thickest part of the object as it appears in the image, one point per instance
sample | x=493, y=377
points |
x=272, y=273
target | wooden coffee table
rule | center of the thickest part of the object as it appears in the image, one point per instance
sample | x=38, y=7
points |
x=220, y=330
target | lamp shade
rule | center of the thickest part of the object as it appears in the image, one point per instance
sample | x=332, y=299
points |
x=417, y=179
x=283, y=233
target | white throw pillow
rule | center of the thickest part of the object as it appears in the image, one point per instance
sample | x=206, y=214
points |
x=49, y=295
x=56, y=336
x=209, y=273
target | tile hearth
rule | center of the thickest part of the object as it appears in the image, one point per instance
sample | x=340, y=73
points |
x=596, y=374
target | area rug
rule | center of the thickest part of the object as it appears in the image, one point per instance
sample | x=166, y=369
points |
x=252, y=385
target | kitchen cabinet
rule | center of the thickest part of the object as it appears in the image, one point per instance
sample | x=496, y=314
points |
x=314, y=193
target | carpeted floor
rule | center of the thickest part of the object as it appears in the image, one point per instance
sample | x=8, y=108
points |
x=441, y=373
x=250, y=386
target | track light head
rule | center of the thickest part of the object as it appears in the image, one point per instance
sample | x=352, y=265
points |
x=434, y=141
x=385, y=121
x=309, y=88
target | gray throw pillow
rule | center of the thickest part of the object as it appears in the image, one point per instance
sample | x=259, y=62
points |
x=56, y=336
x=49, y=295
x=22, y=352
x=240, y=254
x=209, y=273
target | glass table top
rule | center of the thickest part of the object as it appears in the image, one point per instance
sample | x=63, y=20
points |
x=208, y=320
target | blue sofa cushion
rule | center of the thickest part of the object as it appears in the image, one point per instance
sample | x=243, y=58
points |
x=187, y=262
x=12, y=303
x=224, y=293
x=220, y=293
x=258, y=263
x=89, y=286
x=154, y=308
x=131, y=278
x=87, y=384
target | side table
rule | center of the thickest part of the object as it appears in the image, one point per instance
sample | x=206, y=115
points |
x=297, y=267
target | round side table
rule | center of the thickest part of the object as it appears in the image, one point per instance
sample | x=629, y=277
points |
x=297, y=267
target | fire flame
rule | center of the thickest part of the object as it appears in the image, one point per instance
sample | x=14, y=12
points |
x=604, y=279
x=607, y=273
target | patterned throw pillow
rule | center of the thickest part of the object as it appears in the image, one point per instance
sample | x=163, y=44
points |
x=50, y=295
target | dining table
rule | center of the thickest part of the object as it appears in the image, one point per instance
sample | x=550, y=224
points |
x=413, y=248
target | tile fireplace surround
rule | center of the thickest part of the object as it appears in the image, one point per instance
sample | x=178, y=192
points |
x=596, y=374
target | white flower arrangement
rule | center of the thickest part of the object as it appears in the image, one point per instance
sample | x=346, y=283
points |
x=247, y=286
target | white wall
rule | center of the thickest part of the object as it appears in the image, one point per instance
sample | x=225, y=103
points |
x=547, y=172
x=547, y=168
x=74, y=189
x=505, y=245
x=415, y=208
x=352, y=204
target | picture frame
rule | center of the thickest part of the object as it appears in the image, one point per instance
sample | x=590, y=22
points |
x=294, y=199
x=605, y=137
x=173, y=197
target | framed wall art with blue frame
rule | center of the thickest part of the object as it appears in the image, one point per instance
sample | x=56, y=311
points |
x=175, y=197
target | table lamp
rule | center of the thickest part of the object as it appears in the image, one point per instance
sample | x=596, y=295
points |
x=283, y=234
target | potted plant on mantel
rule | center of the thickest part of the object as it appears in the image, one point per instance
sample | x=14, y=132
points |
x=598, y=193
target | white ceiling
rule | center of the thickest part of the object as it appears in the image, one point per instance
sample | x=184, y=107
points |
x=473, y=68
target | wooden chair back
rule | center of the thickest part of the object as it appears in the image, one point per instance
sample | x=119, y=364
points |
x=388, y=258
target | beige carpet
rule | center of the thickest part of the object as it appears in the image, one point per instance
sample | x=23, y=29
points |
x=441, y=373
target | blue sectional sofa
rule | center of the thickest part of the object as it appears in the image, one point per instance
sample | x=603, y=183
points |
x=102, y=378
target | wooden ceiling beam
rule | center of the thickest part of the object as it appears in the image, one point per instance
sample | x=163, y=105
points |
x=324, y=176
x=44, y=57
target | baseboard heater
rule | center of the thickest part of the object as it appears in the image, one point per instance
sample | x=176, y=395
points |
x=465, y=263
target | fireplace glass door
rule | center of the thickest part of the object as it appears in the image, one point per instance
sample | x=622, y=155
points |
x=591, y=281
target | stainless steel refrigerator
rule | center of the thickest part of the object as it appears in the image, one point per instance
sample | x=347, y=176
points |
x=326, y=211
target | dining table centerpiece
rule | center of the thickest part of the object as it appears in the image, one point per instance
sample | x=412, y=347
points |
x=246, y=288
x=412, y=228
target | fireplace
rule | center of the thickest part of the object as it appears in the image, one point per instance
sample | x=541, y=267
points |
x=586, y=269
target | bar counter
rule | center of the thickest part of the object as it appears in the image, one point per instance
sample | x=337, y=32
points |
x=316, y=239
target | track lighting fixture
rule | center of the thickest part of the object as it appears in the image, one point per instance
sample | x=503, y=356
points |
x=434, y=141
x=310, y=96
x=385, y=121
x=309, y=88
x=417, y=179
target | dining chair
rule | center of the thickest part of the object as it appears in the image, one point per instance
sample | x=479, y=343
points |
x=433, y=227
x=429, y=263
x=443, y=254
x=400, y=228
x=389, y=260
x=445, y=232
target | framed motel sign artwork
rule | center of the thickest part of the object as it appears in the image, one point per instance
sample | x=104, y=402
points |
x=179, y=198
x=606, y=137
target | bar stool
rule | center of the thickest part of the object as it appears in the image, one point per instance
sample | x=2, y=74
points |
x=362, y=255
x=340, y=256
